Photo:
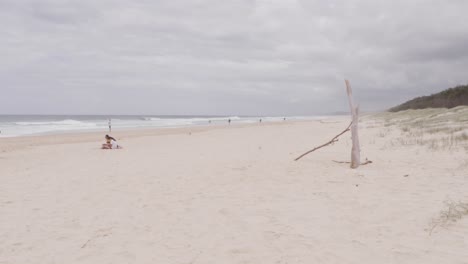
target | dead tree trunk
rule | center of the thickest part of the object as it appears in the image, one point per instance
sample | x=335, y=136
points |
x=355, y=150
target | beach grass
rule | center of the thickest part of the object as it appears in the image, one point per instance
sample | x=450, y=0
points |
x=434, y=128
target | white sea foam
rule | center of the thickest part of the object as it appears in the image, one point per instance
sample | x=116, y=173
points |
x=66, y=122
x=30, y=125
x=151, y=118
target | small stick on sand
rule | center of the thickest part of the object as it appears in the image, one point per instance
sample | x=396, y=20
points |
x=84, y=245
x=347, y=162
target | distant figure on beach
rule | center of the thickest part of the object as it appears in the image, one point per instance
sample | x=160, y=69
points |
x=284, y=119
x=111, y=143
x=229, y=120
x=260, y=120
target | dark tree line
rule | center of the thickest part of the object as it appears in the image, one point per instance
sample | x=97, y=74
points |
x=446, y=99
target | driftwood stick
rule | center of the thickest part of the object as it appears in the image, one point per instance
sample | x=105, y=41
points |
x=337, y=161
x=367, y=162
x=333, y=140
x=347, y=162
x=84, y=245
x=355, y=151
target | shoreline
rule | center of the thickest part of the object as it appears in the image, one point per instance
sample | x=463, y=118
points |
x=63, y=124
x=8, y=144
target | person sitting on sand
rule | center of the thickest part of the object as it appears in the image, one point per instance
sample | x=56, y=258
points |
x=111, y=143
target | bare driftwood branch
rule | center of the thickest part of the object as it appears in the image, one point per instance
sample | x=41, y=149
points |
x=347, y=162
x=333, y=140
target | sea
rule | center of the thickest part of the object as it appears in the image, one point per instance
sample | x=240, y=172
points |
x=27, y=125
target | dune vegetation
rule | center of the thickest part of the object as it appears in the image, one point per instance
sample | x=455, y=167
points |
x=449, y=98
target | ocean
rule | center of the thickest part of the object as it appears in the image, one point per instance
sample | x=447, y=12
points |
x=25, y=125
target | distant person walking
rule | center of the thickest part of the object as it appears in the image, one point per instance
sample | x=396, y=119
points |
x=110, y=125
x=229, y=120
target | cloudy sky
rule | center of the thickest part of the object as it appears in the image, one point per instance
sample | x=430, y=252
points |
x=243, y=57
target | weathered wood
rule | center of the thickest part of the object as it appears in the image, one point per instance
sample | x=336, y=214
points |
x=347, y=162
x=333, y=140
x=355, y=150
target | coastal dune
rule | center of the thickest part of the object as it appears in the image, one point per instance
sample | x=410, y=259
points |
x=234, y=194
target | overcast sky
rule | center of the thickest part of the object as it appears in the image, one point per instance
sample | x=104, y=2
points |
x=226, y=57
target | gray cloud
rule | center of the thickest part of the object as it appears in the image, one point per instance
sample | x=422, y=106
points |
x=268, y=57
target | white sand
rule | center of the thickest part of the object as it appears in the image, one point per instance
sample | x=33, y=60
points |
x=230, y=195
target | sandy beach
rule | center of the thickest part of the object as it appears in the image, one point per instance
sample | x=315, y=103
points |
x=234, y=194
